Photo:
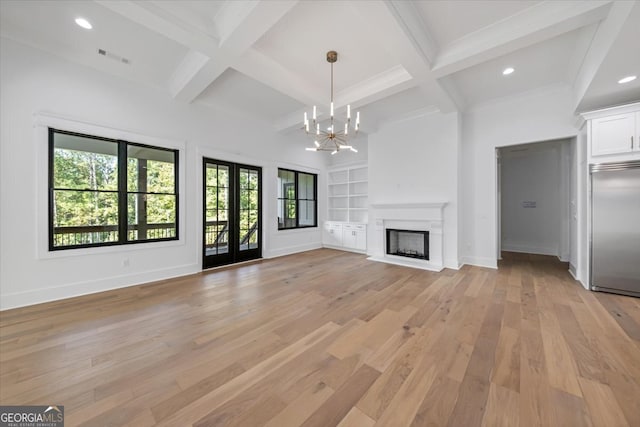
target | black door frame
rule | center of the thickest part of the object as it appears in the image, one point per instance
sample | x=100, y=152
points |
x=234, y=254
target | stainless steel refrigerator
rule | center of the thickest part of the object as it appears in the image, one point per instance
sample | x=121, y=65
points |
x=615, y=227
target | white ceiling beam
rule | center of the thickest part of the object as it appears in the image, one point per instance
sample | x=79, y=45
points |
x=538, y=23
x=389, y=82
x=242, y=23
x=606, y=35
x=409, y=18
x=266, y=70
x=416, y=49
x=158, y=20
x=193, y=75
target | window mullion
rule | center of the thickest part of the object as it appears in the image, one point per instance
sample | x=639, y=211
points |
x=122, y=192
x=51, y=189
x=295, y=196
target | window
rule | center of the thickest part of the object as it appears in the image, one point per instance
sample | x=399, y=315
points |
x=109, y=192
x=297, y=193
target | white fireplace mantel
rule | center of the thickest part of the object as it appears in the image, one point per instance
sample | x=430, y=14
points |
x=438, y=205
x=409, y=216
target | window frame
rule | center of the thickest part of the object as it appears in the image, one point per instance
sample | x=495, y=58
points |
x=298, y=200
x=122, y=191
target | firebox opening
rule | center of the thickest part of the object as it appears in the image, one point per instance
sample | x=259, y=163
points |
x=408, y=243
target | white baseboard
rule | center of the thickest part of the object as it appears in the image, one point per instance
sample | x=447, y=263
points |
x=537, y=250
x=453, y=264
x=342, y=248
x=479, y=262
x=292, y=250
x=573, y=271
x=42, y=295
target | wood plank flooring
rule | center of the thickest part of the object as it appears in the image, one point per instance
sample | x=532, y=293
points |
x=327, y=338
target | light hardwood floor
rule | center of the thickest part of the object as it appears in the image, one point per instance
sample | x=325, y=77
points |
x=327, y=338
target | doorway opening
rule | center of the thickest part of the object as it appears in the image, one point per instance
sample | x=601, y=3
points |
x=536, y=198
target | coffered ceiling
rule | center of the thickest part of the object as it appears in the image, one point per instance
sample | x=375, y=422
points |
x=397, y=58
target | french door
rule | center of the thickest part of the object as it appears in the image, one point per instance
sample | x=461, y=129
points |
x=232, y=213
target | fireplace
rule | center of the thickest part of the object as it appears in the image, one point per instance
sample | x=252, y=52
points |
x=421, y=223
x=408, y=243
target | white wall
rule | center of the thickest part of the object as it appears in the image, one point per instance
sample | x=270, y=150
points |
x=416, y=161
x=535, y=173
x=32, y=81
x=542, y=115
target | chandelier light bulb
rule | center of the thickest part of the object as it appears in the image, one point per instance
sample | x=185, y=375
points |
x=348, y=112
x=314, y=113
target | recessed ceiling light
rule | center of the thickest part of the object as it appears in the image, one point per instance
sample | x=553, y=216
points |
x=627, y=79
x=84, y=23
x=507, y=71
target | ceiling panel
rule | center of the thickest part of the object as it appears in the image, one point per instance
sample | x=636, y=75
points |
x=50, y=25
x=543, y=64
x=301, y=39
x=239, y=92
x=451, y=20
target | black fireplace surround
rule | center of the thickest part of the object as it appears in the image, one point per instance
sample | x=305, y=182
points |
x=408, y=243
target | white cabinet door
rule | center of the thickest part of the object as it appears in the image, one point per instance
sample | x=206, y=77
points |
x=332, y=234
x=361, y=239
x=613, y=134
x=354, y=236
x=636, y=140
x=348, y=236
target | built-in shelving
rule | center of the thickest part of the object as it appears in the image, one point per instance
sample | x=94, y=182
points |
x=348, y=194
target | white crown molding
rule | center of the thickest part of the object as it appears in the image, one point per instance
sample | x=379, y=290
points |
x=426, y=205
x=410, y=115
x=604, y=112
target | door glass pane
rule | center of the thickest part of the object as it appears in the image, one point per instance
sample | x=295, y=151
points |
x=216, y=209
x=248, y=209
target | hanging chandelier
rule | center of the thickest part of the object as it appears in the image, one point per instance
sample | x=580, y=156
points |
x=335, y=137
